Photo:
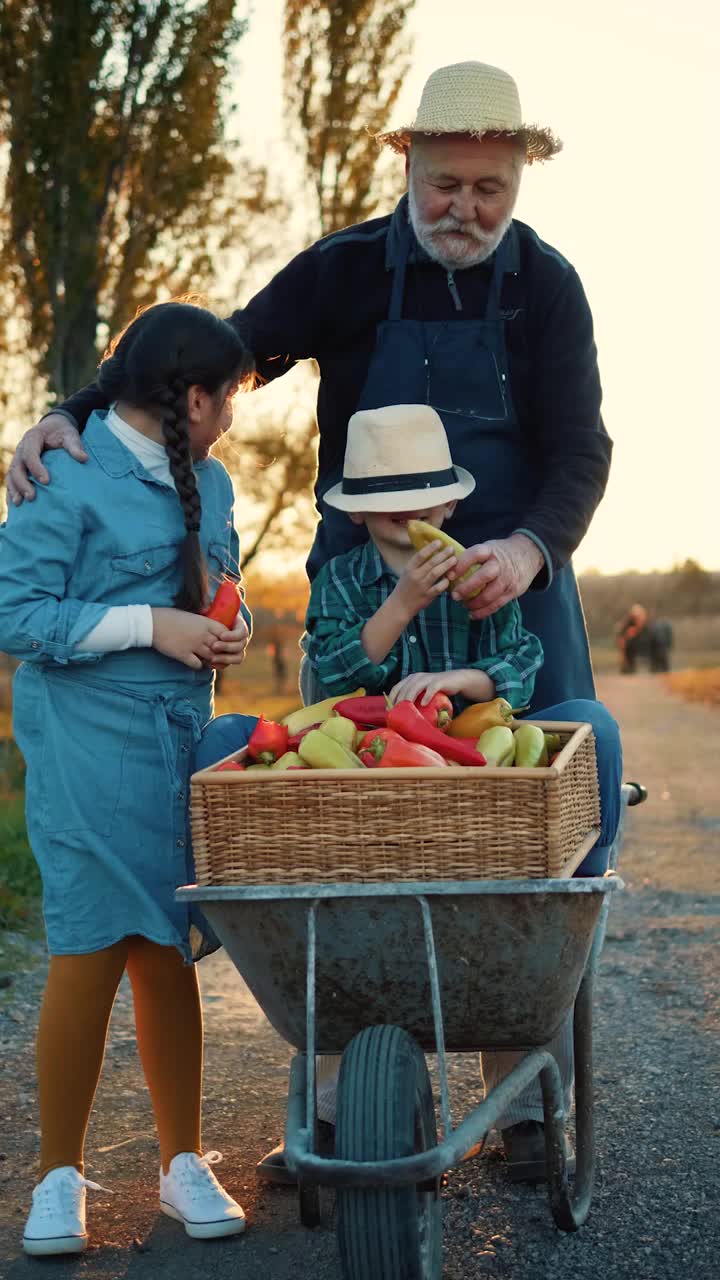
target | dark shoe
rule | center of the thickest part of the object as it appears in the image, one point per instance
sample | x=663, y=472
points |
x=273, y=1169
x=525, y=1151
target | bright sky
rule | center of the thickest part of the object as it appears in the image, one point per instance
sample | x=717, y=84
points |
x=627, y=85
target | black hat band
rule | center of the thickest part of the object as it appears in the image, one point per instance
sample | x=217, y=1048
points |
x=398, y=484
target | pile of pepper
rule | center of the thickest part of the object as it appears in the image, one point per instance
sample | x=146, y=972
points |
x=369, y=732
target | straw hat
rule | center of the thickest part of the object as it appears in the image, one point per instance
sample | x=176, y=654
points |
x=396, y=459
x=474, y=98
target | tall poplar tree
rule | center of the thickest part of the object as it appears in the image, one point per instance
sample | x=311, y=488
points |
x=120, y=184
x=345, y=61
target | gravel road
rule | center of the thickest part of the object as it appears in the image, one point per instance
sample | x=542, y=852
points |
x=655, y=1209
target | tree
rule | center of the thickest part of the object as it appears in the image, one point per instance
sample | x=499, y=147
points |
x=345, y=61
x=692, y=588
x=274, y=455
x=119, y=187
x=344, y=65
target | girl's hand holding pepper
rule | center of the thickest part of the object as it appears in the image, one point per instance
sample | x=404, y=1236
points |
x=187, y=637
x=231, y=648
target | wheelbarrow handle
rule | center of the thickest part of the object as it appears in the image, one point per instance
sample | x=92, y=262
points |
x=637, y=793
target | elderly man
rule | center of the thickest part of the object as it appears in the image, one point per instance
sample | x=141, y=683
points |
x=451, y=302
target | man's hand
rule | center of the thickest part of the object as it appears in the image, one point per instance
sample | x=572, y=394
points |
x=187, y=637
x=507, y=566
x=54, y=432
x=231, y=650
x=426, y=576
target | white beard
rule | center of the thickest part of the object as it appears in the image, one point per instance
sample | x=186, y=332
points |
x=454, y=253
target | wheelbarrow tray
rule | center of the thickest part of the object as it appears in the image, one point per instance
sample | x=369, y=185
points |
x=510, y=956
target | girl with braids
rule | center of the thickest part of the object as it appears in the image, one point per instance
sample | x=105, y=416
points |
x=102, y=581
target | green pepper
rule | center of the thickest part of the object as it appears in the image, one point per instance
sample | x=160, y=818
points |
x=291, y=760
x=497, y=746
x=530, y=747
x=321, y=751
x=342, y=729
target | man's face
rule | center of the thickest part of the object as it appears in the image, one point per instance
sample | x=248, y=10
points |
x=462, y=192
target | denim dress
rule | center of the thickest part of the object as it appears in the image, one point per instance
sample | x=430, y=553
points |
x=108, y=739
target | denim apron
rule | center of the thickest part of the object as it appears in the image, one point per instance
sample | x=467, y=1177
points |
x=460, y=367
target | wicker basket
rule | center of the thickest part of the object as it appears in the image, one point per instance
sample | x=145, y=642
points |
x=323, y=826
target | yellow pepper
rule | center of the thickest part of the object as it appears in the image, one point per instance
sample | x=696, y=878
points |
x=480, y=716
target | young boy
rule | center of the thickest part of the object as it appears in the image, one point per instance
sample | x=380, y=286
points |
x=381, y=615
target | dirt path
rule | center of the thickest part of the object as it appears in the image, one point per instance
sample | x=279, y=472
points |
x=658, y=1116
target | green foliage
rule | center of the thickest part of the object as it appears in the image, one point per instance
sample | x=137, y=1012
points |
x=345, y=61
x=121, y=186
x=19, y=876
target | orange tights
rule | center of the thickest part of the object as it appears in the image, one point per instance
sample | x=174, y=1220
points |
x=74, y=1019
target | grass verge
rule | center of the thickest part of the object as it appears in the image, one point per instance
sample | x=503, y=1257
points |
x=697, y=685
x=19, y=876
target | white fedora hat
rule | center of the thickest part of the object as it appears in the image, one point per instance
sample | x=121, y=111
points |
x=398, y=458
x=477, y=99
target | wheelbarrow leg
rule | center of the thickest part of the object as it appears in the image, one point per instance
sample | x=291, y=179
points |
x=570, y=1209
x=302, y=1105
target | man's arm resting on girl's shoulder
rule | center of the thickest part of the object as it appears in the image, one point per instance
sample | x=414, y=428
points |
x=57, y=431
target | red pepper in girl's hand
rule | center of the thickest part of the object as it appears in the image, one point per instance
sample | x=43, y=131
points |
x=225, y=605
x=385, y=749
x=438, y=711
x=268, y=741
x=405, y=718
x=370, y=710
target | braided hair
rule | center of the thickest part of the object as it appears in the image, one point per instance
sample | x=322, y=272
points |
x=164, y=351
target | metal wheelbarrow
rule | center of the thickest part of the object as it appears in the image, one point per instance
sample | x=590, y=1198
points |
x=384, y=974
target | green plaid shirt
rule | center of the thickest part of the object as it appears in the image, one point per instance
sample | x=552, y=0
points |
x=443, y=637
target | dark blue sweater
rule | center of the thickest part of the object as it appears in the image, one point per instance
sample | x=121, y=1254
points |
x=327, y=302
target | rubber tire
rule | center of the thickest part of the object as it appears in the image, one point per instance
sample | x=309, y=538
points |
x=385, y=1110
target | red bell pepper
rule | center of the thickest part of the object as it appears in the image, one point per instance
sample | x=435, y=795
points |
x=370, y=710
x=225, y=604
x=229, y=764
x=407, y=720
x=385, y=749
x=268, y=741
x=438, y=711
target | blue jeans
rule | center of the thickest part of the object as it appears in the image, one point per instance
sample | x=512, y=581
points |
x=609, y=762
x=221, y=736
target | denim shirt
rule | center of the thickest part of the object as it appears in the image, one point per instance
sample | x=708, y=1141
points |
x=101, y=533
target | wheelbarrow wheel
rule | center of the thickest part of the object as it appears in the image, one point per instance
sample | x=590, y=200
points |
x=384, y=1111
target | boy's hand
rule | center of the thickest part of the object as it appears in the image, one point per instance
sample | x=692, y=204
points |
x=231, y=650
x=187, y=637
x=476, y=686
x=425, y=577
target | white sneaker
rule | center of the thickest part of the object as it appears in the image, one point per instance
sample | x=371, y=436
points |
x=56, y=1223
x=190, y=1193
